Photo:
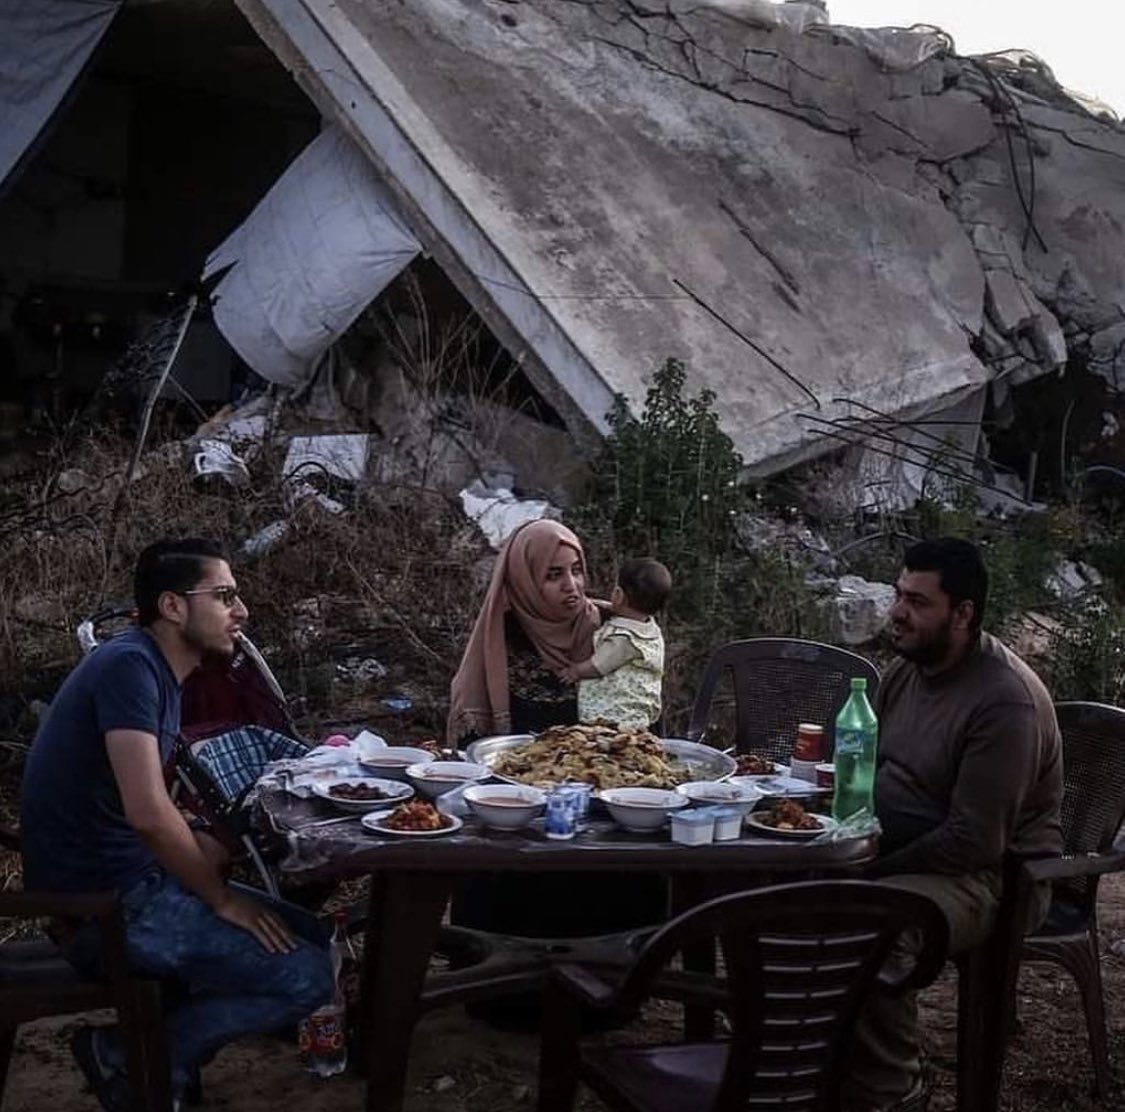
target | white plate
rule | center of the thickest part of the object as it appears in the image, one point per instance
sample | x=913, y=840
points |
x=824, y=822
x=784, y=787
x=374, y=823
x=394, y=791
x=742, y=794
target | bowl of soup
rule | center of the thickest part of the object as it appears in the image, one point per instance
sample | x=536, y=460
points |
x=392, y=761
x=505, y=806
x=434, y=778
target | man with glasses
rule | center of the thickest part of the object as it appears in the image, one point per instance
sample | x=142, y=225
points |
x=96, y=815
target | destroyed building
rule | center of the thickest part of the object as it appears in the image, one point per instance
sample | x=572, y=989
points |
x=851, y=237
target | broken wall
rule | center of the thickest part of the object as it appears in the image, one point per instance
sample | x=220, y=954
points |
x=796, y=219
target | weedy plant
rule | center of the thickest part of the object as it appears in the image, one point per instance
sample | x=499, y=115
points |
x=666, y=484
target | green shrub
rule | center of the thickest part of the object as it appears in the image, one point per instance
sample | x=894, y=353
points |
x=1087, y=661
x=666, y=484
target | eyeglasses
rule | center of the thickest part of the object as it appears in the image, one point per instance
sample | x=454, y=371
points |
x=227, y=595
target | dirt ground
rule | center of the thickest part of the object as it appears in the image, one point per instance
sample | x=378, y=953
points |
x=462, y=1066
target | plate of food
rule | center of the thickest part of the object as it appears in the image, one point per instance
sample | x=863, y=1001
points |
x=601, y=756
x=416, y=819
x=361, y=793
x=756, y=764
x=788, y=819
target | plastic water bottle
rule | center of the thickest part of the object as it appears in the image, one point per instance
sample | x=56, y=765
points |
x=322, y=1038
x=857, y=735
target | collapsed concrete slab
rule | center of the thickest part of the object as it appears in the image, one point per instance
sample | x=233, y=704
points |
x=614, y=182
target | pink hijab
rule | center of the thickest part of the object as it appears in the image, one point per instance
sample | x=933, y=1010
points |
x=479, y=701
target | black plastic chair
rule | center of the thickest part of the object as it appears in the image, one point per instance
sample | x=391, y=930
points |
x=799, y=960
x=1093, y=808
x=36, y=981
x=779, y=682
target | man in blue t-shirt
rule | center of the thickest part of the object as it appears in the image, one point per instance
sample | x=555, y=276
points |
x=96, y=815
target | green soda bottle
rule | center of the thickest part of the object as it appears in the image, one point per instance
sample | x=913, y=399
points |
x=857, y=734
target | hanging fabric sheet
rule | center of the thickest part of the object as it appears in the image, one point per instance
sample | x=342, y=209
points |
x=318, y=248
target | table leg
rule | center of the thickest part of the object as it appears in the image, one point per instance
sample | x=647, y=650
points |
x=403, y=921
x=689, y=891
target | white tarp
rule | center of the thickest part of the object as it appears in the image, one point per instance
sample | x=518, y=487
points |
x=43, y=49
x=318, y=248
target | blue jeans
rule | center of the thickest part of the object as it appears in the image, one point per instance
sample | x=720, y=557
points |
x=229, y=984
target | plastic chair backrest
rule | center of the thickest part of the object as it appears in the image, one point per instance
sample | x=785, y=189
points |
x=1093, y=805
x=799, y=960
x=778, y=683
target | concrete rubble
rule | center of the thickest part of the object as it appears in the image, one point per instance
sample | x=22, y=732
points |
x=859, y=609
x=831, y=226
x=1071, y=579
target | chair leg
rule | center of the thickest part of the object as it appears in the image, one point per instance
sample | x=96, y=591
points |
x=559, y=1052
x=7, y=1044
x=1084, y=965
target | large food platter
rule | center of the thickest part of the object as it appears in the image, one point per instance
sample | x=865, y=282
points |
x=699, y=762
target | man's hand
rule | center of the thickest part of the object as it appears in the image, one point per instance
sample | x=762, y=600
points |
x=259, y=920
x=569, y=674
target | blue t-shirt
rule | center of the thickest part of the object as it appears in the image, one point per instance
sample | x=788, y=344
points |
x=72, y=823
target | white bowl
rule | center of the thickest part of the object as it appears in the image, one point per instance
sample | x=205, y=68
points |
x=392, y=761
x=434, y=778
x=738, y=794
x=641, y=809
x=505, y=806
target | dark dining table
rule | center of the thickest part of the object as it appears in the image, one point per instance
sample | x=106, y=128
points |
x=413, y=878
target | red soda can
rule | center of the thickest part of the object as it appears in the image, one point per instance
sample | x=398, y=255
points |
x=810, y=743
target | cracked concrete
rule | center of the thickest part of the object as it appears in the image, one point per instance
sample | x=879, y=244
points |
x=851, y=225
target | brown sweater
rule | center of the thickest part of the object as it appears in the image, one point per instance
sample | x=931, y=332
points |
x=969, y=765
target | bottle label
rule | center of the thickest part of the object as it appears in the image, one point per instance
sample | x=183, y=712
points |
x=849, y=742
x=321, y=1035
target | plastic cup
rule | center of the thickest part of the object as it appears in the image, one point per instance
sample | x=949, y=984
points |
x=561, y=819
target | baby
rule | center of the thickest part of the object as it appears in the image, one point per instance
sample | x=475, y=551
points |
x=621, y=682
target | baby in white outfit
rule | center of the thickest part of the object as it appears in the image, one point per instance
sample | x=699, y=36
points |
x=622, y=681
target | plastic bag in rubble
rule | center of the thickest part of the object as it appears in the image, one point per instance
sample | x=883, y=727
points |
x=217, y=458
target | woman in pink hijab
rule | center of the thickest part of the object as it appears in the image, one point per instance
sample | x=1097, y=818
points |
x=535, y=620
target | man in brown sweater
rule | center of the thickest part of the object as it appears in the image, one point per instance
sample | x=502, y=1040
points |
x=969, y=767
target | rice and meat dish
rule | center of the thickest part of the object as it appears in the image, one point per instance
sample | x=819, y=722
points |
x=753, y=764
x=416, y=815
x=788, y=814
x=602, y=756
